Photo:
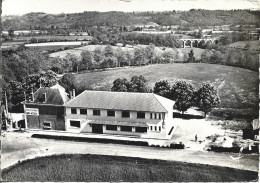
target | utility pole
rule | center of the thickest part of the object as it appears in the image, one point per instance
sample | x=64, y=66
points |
x=6, y=103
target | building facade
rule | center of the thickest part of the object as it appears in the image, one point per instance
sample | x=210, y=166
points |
x=45, y=110
x=145, y=115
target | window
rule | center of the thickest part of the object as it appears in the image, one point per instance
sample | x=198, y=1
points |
x=73, y=111
x=159, y=128
x=155, y=116
x=126, y=128
x=96, y=112
x=155, y=128
x=151, y=115
x=160, y=116
x=141, y=129
x=75, y=124
x=46, y=125
x=125, y=114
x=111, y=127
x=151, y=127
x=141, y=115
x=110, y=113
x=83, y=111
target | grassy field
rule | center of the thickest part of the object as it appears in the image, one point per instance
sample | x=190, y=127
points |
x=253, y=45
x=238, y=88
x=110, y=168
x=52, y=38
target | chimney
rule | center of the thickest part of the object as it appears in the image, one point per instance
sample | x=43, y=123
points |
x=44, y=98
x=70, y=94
x=73, y=93
x=32, y=95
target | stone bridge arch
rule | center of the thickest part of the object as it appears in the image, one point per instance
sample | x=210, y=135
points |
x=189, y=43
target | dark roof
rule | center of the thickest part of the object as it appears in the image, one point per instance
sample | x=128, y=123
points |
x=121, y=101
x=54, y=96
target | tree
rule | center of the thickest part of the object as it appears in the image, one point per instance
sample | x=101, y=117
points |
x=206, y=98
x=225, y=39
x=191, y=58
x=120, y=85
x=139, y=84
x=67, y=81
x=87, y=59
x=98, y=55
x=68, y=61
x=129, y=57
x=162, y=88
x=149, y=50
x=40, y=79
x=139, y=55
x=206, y=55
x=109, y=51
x=168, y=56
x=182, y=93
x=200, y=34
x=15, y=95
x=74, y=60
x=121, y=57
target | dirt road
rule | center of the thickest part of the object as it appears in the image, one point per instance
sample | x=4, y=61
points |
x=19, y=146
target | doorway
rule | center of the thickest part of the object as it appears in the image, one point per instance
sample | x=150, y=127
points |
x=97, y=128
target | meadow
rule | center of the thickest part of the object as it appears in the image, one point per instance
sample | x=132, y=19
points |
x=96, y=168
x=252, y=45
x=237, y=87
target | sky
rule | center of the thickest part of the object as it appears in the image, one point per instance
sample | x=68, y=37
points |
x=20, y=7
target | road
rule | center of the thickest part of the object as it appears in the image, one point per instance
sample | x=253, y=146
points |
x=20, y=146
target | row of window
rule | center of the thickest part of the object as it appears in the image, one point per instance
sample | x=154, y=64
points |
x=126, y=128
x=111, y=113
x=154, y=128
x=155, y=116
x=114, y=127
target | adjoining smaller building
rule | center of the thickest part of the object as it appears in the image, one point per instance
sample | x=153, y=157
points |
x=45, y=110
x=145, y=115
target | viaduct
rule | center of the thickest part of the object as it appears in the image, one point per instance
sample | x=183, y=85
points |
x=189, y=43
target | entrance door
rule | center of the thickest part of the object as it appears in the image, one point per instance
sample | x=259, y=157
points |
x=97, y=128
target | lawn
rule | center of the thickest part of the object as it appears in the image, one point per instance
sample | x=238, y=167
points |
x=238, y=88
x=110, y=168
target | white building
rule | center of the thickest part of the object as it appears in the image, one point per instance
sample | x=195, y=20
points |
x=137, y=114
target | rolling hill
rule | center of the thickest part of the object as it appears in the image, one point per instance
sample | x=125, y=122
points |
x=238, y=88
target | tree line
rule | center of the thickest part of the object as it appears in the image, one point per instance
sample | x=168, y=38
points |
x=92, y=18
x=183, y=93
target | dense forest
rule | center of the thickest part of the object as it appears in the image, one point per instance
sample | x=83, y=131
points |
x=167, y=18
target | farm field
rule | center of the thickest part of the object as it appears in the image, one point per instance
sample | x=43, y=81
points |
x=11, y=45
x=96, y=168
x=77, y=51
x=53, y=38
x=253, y=45
x=54, y=45
x=238, y=88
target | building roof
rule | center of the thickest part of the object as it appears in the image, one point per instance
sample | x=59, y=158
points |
x=55, y=95
x=148, y=102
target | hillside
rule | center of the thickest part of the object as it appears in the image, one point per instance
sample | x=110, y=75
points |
x=238, y=88
x=251, y=45
x=88, y=19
